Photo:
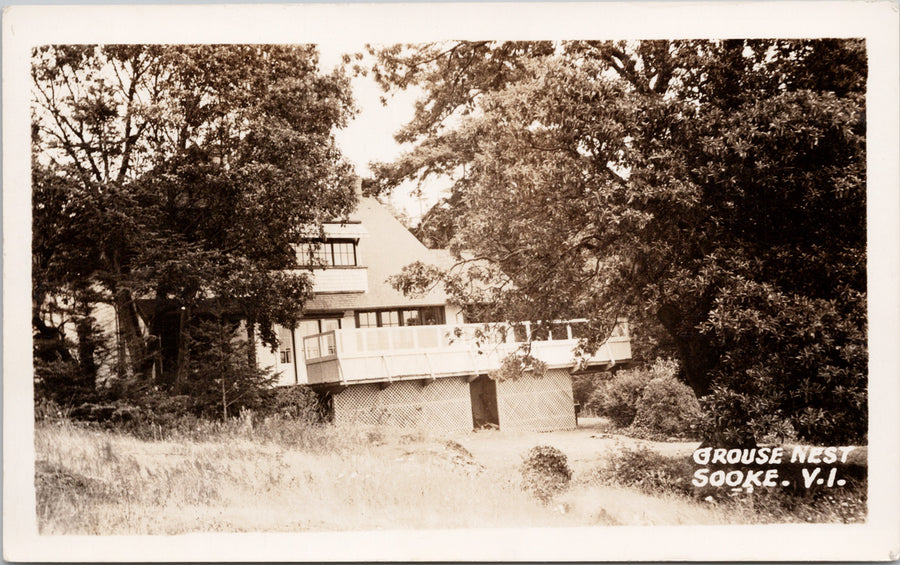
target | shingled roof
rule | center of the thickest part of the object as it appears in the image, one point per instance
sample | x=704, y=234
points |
x=388, y=247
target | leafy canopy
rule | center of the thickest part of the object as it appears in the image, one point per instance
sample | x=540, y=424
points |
x=712, y=191
x=173, y=176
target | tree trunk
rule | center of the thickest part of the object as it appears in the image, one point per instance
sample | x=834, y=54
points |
x=222, y=370
x=87, y=348
x=251, y=340
x=183, y=358
x=696, y=354
x=129, y=326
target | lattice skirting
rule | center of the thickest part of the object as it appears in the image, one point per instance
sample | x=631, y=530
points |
x=441, y=405
x=539, y=404
x=527, y=403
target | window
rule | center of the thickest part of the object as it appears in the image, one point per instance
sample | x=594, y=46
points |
x=332, y=253
x=389, y=318
x=284, y=346
x=424, y=316
x=322, y=346
x=411, y=318
x=367, y=320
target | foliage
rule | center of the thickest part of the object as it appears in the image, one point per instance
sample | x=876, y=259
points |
x=545, y=472
x=175, y=178
x=583, y=387
x=295, y=402
x=649, y=471
x=516, y=364
x=654, y=473
x=224, y=378
x=711, y=191
x=618, y=397
x=667, y=407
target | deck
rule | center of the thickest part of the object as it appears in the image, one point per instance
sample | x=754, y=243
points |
x=385, y=355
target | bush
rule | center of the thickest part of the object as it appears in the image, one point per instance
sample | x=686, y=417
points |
x=668, y=407
x=649, y=471
x=294, y=402
x=545, y=472
x=618, y=397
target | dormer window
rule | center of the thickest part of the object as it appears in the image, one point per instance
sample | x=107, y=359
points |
x=330, y=253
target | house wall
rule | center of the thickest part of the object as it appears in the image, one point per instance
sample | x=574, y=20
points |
x=441, y=405
x=537, y=404
x=340, y=279
x=527, y=403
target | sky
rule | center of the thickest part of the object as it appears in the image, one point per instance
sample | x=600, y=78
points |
x=370, y=136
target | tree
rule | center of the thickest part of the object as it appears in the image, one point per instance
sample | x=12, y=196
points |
x=712, y=191
x=175, y=178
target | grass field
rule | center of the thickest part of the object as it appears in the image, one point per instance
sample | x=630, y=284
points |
x=286, y=476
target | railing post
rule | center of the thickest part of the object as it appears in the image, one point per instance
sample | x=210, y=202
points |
x=387, y=369
x=568, y=330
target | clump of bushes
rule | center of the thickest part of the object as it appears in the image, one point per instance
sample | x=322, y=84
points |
x=654, y=473
x=617, y=398
x=649, y=471
x=650, y=400
x=545, y=472
x=154, y=415
x=668, y=407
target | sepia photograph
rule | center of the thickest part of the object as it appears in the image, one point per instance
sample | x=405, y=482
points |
x=491, y=285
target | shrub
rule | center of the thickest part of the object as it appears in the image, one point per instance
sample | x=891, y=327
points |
x=668, y=407
x=545, y=472
x=618, y=397
x=295, y=402
x=649, y=471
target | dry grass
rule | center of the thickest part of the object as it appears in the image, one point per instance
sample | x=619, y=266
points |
x=281, y=476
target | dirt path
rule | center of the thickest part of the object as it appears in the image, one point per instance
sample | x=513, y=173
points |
x=584, y=446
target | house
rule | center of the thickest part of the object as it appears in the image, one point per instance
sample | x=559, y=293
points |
x=383, y=357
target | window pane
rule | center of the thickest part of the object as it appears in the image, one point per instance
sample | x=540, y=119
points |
x=343, y=254
x=390, y=318
x=311, y=347
x=411, y=318
x=284, y=345
x=329, y=324
x=368, y=320
x=432, y=316
x=308, y=327
x=305, y=255
x=322, y=255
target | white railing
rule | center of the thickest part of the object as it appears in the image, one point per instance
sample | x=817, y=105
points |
x=383, y=354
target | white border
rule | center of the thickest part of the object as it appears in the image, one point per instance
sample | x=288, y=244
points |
x=354, y=24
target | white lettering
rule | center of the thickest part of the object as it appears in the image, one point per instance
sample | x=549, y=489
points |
x=701, y=456
x=717, y=479
x=753, y=479
x=844, y=452
x=733, y=478
x=815, y=455
x=808, y=477
x=700, y=479
x=777, y=456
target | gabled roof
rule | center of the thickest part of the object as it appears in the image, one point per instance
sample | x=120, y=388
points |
x=387, y=249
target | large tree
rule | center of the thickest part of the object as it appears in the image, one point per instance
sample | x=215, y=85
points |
x=175, y=178
x=711, y=191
